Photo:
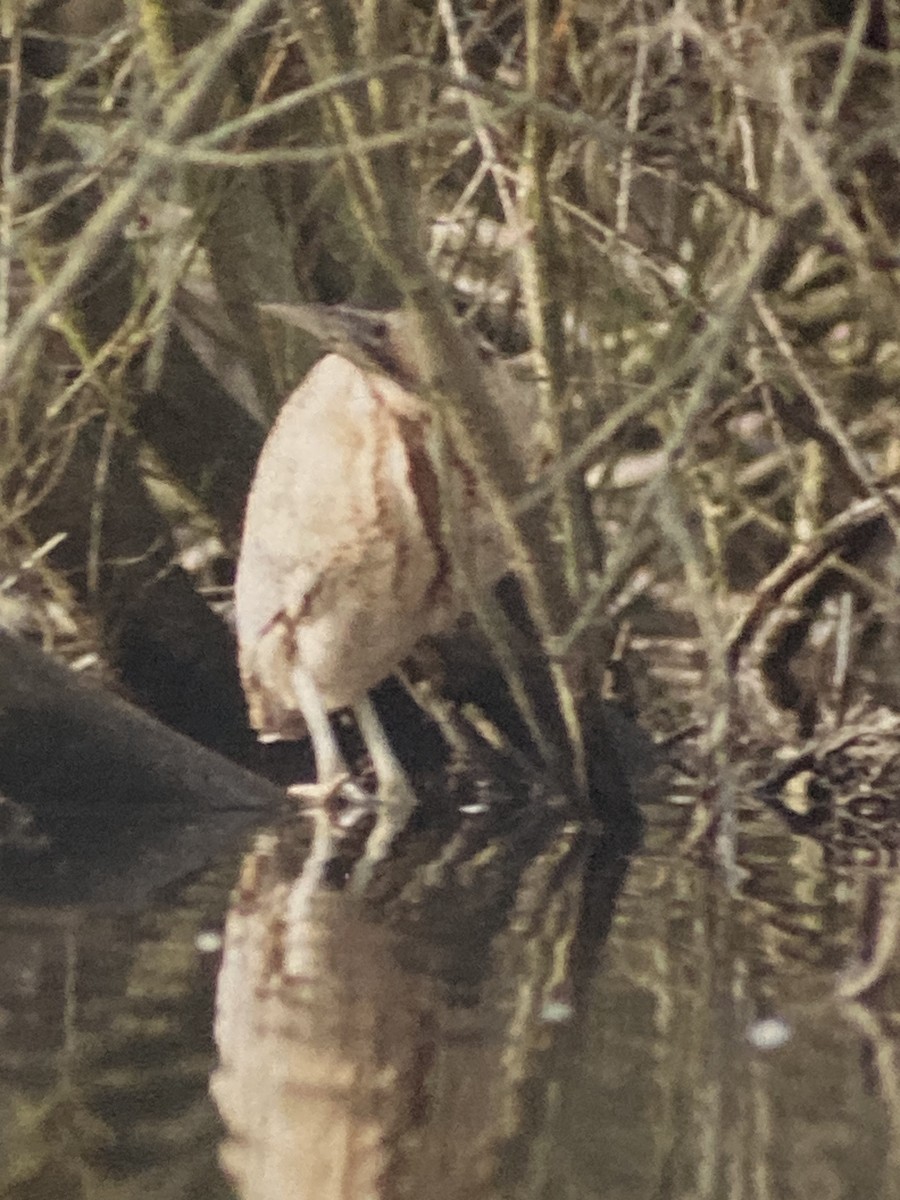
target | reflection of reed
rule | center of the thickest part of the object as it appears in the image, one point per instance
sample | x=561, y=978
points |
x=105, y=1052
x=681, y=1102
x=884, y=1059
x=879, y=935
x=403, y=1048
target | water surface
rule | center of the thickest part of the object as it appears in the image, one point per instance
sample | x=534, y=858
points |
x=513, y=1009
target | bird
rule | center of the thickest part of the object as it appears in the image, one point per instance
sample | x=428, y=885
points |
x=363, y=532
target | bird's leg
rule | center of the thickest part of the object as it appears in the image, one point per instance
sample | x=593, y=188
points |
x=332, y=771
x=394, y=790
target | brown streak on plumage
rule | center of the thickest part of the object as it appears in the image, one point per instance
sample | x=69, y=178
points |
x=385, y=428
x=425, y=488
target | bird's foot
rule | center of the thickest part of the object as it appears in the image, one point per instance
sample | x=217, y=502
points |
x=340, y=797
x=320, y=793
x=323, y=793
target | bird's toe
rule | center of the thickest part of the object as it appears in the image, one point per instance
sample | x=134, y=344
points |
x=320, y=793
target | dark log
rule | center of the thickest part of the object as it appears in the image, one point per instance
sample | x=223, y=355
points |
x=100, y=802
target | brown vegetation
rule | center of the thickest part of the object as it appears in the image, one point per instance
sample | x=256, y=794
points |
x=676, y=222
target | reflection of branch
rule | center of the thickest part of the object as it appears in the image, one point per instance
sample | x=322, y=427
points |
x=879, y=936
x=884, y=1058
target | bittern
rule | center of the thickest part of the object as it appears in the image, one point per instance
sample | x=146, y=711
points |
x=346, y=560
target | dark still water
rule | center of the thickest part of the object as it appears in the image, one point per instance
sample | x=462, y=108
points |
x=510, y=1011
